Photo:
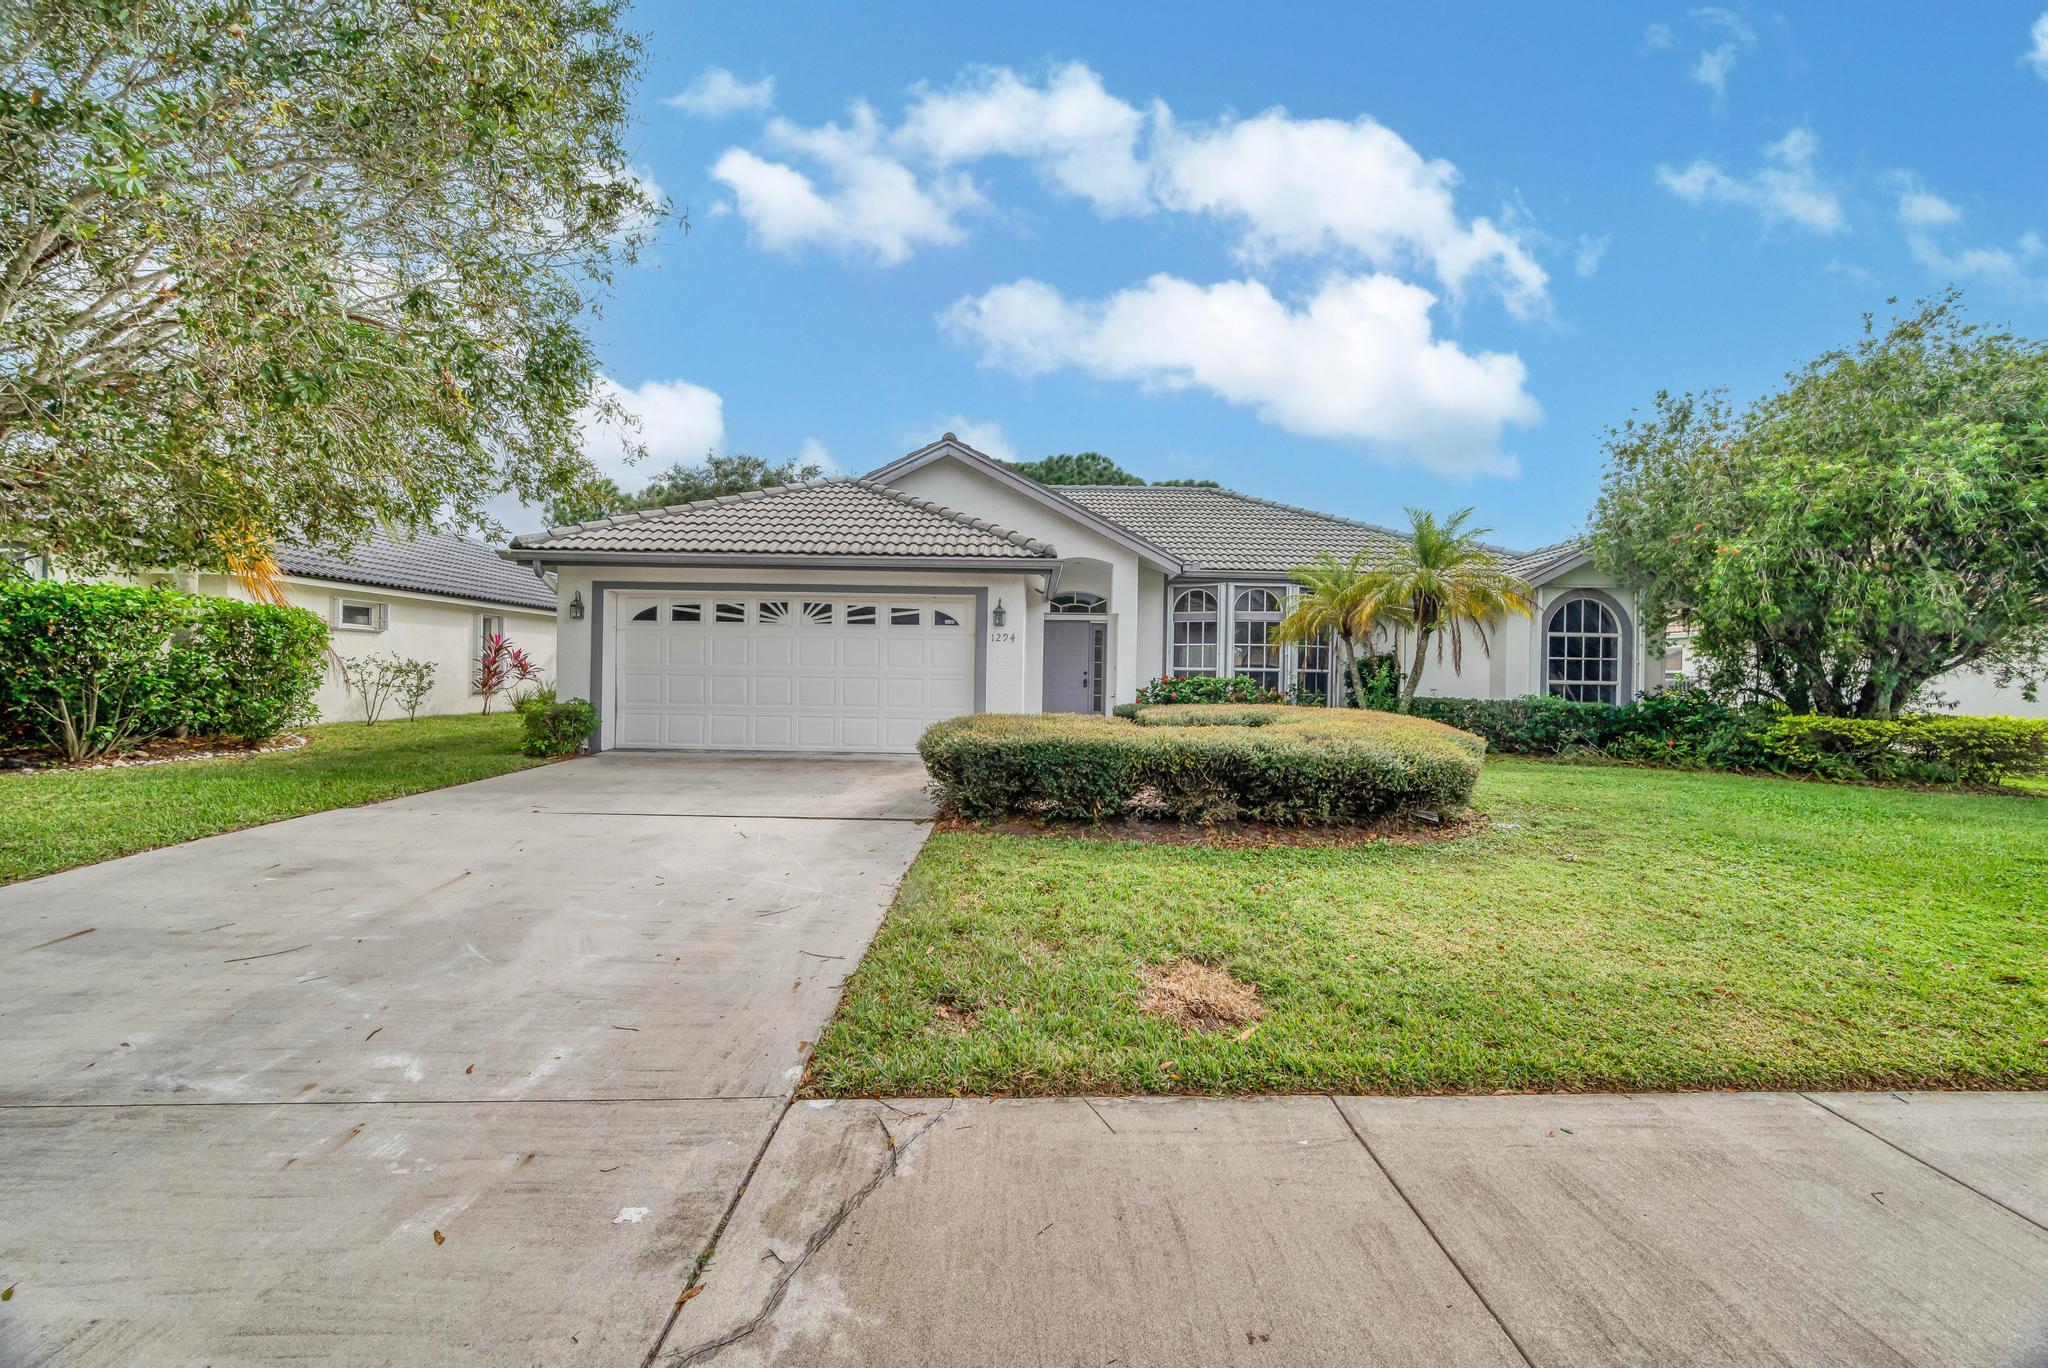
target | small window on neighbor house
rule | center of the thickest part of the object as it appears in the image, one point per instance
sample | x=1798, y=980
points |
x=773, y=610
x=650, y=613
x=860, y=614
x=942, y=618
x=488, y=626
x=686, y=612
x=818, y=614
x=730, y=612
x=905, y=617
x=359, y=615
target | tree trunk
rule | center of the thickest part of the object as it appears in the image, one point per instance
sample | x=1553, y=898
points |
x=1351, y=667
x=1414, y=680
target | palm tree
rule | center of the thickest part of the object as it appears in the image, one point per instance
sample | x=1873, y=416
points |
x=1333, y=604
x=1441, y=583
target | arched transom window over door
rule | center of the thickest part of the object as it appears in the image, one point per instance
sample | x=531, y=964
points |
x=1255, y=618
x=1077, y=603
x=1194, y=633
x=1584, y=654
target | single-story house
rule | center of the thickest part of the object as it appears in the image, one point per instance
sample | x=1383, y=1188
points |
x=434, y=597
x=850, y=614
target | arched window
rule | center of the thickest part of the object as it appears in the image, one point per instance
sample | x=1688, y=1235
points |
x=1194, y=633
x=1077, y=603
x=1583, y=650
x=1255, y=617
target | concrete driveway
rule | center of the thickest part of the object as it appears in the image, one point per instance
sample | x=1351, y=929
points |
x=465, y=1077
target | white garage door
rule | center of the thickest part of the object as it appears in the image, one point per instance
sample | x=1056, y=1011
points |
x=806, y=670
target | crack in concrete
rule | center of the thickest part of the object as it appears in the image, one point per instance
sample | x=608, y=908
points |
x=705, y=1352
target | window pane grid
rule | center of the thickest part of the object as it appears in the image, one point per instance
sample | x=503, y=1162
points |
x=1582, y=653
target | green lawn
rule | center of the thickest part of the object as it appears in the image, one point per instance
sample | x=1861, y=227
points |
x=1612, y=928
x=57, y=819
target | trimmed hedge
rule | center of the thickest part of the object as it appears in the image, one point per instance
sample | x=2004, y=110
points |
x=89, y=668
x=1271, y=763
x=1206, y=689
x=1690, y=729
x=1929, y=749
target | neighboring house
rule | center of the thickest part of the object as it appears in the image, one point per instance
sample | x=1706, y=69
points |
x=1969, y=693
x=435, y=597
x=850, y=614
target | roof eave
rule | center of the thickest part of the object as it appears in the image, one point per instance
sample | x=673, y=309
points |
x=1550, y=570
x=1155, y=555
x=1025, y=565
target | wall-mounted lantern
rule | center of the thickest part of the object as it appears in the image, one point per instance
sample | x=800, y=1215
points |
x=998, y=616
x=576, y=606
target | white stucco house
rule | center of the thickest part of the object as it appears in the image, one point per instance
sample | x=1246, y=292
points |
x=850, y=614
x=434, y=597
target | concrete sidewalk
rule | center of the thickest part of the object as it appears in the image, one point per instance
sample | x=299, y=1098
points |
x=1679, y=1229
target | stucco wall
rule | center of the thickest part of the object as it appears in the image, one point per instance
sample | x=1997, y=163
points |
x=420, y=627
x=1011, y=685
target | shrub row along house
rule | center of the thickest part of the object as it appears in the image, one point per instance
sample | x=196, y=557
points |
x=434, y=598
x=850, y=614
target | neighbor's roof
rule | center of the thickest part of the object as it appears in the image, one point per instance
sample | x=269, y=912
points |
x=432, y=564
x=1222, y=530
x=838, y=517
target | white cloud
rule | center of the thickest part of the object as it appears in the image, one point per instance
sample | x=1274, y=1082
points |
x=1357, y=361
x=872, y=205
x=2018, y=269
x=1785, y=189
x=678, y=421
x=1292, y=187
x=717, y=92
x=1305, y=187
x=1591, y=251
x=2037, y=56
x=813, y=452
x=1923, y=209
x=1715, y=62
x=1082, y=138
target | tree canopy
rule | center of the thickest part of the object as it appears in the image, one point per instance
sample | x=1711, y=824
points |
x=1090, y=468
x=278, y=271
x=679, y=484
x=1879, y=520
x=1443, y=581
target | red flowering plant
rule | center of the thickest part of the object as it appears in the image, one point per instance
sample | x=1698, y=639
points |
x=502, y=666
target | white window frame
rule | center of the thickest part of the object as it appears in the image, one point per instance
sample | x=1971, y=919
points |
x=380, y=614
x=1178, y=651
x=485, y=631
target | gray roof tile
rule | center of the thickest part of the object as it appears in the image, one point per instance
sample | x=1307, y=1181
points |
x=435, y=563
x=839, y=517
x=1222, y=530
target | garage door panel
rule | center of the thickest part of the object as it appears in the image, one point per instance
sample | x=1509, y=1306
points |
x=811, y=671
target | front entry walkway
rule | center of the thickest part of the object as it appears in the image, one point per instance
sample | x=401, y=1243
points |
x=465, y=1077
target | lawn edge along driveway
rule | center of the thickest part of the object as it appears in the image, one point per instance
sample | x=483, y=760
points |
x=53, y=820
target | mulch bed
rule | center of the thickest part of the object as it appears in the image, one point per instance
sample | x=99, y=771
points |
x=158, y=750
x=1399, y=829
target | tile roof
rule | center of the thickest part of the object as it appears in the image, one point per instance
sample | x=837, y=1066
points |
x=838, y=517
x=1220, y=529
x=435, y=563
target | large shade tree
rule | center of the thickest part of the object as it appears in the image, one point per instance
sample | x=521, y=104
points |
x=1879, y=520
x=290, y=270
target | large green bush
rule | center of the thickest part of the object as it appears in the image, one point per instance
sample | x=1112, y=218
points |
x=1690, y=728
x=1270, y=763
x=88, y=668
x=1927, y=749
x=246, y=670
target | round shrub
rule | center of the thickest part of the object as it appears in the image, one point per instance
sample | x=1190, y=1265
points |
x=556, y=728
x=1267, y=763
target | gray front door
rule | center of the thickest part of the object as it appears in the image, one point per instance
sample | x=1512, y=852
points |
x=1073, y=667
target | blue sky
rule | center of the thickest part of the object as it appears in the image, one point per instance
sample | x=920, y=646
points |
x=1354, y=257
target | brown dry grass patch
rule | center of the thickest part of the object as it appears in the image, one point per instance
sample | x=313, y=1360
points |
x=1200, y=997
